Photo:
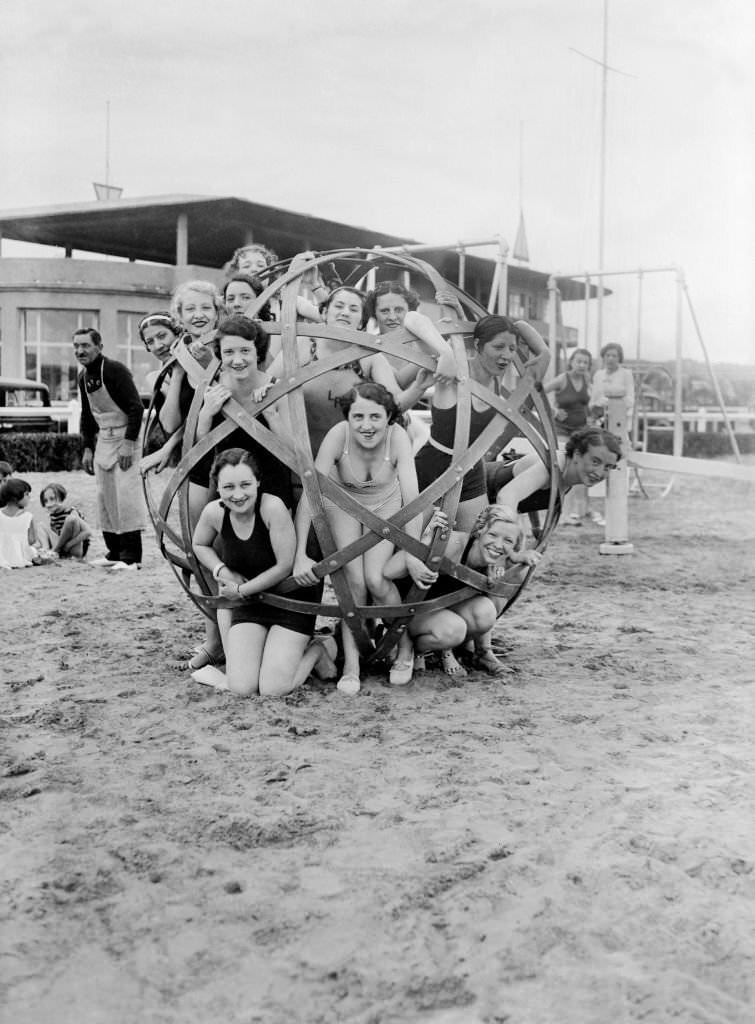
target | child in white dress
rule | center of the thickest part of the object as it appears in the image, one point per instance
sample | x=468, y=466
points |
x=18, y=534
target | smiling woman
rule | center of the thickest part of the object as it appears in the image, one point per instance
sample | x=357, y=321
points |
x=590, y=454
x=494, y=546
x=496, y=342
x=246, y=539
x=243, y=346
x=369, y=455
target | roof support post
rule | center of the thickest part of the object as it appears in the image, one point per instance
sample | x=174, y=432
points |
x=552, y=327
x=503, y=278
x=678, y=446
x=182, y=240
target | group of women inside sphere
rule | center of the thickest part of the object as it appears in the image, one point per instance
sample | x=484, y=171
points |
x=252, y=525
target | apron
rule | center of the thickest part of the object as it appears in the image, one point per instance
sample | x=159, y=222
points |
x=120, y=505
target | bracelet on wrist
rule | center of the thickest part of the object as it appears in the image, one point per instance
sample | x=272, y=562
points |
x=217, y=570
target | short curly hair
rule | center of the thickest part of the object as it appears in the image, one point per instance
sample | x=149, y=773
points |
x=591, y=437
x=390, y=288
x=616, y=348
x=372, y=392
x=234, y=457
x=267, y=254
x=323, y=307
x=497, y=514
x=204, y=288
x=243, y=327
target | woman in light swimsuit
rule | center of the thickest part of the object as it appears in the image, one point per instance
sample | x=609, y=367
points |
x=370, y=457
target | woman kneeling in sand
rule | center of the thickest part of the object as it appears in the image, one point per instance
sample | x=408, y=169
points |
x=494, y=546
x=268, y=650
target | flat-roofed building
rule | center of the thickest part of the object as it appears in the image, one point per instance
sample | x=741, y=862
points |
x=150, y=245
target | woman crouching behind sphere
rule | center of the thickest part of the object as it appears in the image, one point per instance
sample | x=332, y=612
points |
x=268, y=650
x=494, y=546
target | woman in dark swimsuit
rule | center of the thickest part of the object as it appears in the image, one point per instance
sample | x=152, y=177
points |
x=242, y=346
x=571, y=393
x=495, y=339
x=246, y=538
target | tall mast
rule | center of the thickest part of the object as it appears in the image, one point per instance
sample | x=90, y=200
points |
x=604, y=66
x=602, y=192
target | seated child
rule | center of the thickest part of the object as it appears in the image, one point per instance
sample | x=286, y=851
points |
x=18, y=533
x=68, y=534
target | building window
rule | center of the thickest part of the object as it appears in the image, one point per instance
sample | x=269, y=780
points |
x=516, y=306
x=523, y=306
x=131, y=350
x=48, y=350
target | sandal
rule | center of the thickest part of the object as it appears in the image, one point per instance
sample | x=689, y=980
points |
x=401, y=672
x=488, y=662
x=450, y=665
x=202, y=657
x=349, y=684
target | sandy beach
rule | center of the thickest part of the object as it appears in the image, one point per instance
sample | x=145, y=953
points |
x=573, y=844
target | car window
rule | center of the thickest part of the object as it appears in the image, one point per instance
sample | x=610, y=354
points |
x=25, y=396
x=20, y=397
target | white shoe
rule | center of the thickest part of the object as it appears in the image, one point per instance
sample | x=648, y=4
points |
x=118, y=566
x=210, y=676
x=349, y=684
x=401, y=672
x=597, y=518
x=102, y=563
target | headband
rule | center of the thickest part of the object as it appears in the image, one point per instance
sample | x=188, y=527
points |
x=153, y=319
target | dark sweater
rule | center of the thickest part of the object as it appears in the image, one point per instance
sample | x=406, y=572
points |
x=120, y=385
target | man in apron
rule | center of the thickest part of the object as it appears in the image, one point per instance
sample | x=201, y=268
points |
x=111, y=418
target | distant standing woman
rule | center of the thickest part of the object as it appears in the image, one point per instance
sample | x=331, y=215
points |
x=614, y=380
x=571, y=394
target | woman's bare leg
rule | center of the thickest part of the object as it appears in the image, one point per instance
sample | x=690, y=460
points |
x=287, y=660
x=244, y=652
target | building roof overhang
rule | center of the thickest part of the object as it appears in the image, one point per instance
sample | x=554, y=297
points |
x=146, y=228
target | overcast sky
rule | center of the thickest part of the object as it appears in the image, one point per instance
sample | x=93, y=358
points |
x=405, y=115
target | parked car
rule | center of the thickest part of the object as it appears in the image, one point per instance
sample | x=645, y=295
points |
x=25, y=407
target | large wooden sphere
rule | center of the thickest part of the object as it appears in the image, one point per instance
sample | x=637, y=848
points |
x=524, y=413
